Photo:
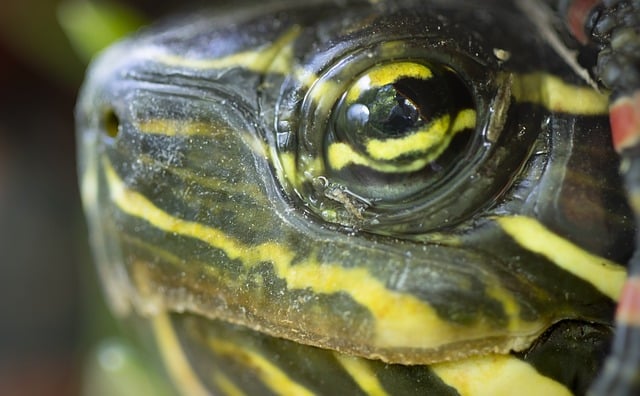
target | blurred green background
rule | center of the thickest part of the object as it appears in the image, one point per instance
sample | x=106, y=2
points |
x=50, y=311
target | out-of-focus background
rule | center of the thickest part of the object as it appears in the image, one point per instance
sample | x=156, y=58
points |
x=51, y=316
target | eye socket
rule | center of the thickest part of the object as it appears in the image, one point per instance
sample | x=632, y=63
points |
x=397, y=129
x=394, y=137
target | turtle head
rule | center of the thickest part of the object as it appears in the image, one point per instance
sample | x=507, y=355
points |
x=415, y=183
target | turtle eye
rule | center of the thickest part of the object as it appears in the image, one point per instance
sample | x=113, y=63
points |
x=397, y=128
x=396, y=137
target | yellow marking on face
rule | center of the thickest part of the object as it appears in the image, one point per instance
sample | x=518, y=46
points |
x=508, y=302
x=362, y=374
x=497, y=375
x=174, y=359
x=276, y=57
x=387, y=74
x=226, y=386
x=559, y=96
x=399, y=319
x=171, y=127
x=604, y=275
x=271, y=375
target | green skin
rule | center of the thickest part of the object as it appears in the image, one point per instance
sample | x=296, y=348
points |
x=557, y=168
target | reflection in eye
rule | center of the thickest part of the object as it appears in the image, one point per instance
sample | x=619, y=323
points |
x=399, y=122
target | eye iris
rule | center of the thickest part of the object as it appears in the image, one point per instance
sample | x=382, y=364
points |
x=397, y=125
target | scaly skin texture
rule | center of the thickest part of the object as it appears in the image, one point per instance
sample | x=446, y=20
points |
x=405, y=197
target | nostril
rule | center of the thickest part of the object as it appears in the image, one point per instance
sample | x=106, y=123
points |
x=110, y=124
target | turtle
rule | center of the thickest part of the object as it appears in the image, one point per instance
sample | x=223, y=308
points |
x=373, y=196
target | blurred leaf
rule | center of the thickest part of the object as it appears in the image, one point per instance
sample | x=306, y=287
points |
x=92, y=26
x=31, y=35
x=116, y=368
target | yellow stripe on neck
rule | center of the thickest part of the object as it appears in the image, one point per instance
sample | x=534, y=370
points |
x=174, y=127
x=174, y=358
x=604, y=275
x=271, y=375
x=558, y=96
x=226, y=385
x=361, y=372
x=497, y=375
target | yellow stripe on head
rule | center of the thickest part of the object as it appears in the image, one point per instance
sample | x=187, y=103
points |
x=225, y=385
x=604, y=275
x=276, y=58
x=399, y=318
x=174, y=127
x=556, y=95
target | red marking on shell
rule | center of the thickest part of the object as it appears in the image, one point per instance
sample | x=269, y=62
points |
x=624, y=117
x=576, y=18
